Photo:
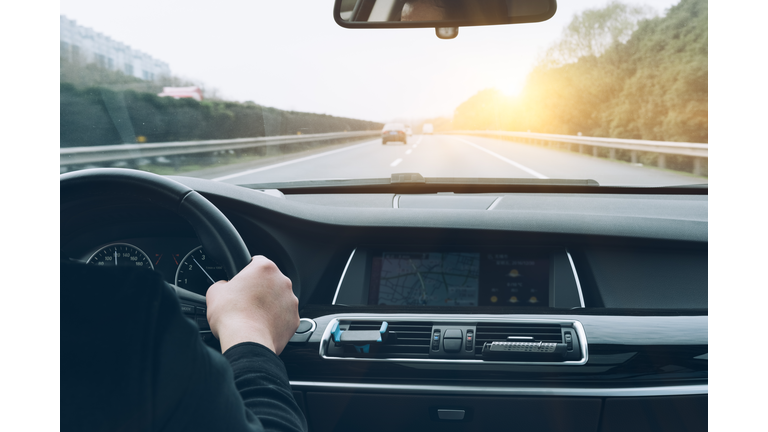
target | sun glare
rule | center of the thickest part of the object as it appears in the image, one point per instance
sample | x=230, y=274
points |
x=510, y=88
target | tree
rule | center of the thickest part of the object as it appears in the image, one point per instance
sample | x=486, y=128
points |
x=651, y=84
x=593, y=31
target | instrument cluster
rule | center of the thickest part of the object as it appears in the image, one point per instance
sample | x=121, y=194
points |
x=182, y=261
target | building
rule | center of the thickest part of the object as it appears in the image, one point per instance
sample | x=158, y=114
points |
x=80, y=43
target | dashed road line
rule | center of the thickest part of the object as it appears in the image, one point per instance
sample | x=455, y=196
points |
x=396, y=162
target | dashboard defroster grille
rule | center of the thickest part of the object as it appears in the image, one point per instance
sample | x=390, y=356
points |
x=499, y=332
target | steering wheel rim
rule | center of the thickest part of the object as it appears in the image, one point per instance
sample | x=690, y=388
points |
x=215, y=232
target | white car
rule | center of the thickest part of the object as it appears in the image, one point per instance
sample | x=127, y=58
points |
x=427, y=128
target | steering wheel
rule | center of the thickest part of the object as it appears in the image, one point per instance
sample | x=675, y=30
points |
x=218, y=236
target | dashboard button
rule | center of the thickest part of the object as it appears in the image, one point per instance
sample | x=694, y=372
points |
x=304, y=326
x=453, y=334
x=452, y=345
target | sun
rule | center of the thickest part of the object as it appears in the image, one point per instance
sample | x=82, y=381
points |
x=510, y=87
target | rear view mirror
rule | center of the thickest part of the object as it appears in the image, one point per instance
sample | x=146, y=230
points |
x=439, y=13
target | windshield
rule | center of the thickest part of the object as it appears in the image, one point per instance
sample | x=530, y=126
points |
x=262, y=92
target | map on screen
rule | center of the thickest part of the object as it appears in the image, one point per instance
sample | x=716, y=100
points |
x=426, y=279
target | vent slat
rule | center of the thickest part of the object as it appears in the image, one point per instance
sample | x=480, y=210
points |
x=407, y=339
x=498, y=332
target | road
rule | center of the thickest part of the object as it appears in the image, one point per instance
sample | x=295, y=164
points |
x=454, y=156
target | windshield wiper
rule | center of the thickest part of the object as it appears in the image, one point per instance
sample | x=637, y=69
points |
x=416, y=179
x=690, y=186
x=414, y=183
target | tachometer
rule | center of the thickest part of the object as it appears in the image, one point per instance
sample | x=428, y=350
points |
x=120, y=254
x=198, y=271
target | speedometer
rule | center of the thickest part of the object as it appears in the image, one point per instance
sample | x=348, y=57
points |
x=120, y=254
x=198, y=271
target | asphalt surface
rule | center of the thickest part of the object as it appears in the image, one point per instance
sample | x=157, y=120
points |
x=451, y=156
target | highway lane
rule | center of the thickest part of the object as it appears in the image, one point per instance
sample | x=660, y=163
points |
x=456, y=156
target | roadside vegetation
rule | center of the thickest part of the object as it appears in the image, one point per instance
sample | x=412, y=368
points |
x=101, y=107
x=617, y=72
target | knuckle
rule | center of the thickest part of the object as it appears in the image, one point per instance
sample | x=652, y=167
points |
x=266, y=265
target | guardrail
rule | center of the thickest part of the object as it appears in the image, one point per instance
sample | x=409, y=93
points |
x=632, y=149
x=171, y=152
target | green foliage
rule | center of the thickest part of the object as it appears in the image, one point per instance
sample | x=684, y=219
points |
x=82, y=75
x=665, y=91
x=100, y=116
x=593, y=31
x=653, y=86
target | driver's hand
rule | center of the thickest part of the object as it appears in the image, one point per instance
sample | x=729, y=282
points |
x=257, y=305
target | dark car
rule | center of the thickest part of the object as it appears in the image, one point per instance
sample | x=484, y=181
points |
x=394, y=132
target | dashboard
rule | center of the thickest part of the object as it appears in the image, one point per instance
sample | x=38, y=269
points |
x=453, y=315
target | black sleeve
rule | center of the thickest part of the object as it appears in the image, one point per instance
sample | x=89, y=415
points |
x=131, y=361
x=262, y=381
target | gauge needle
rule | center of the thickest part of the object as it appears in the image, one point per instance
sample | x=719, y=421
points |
x=115, y=257
x=201, y=268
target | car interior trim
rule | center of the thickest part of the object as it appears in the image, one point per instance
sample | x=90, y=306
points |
x=576, y=325
x=495, y=203
x=678, y=390
x=341, y=279
x=576, y=277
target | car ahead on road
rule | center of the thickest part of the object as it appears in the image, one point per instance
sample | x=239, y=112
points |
x=427, y=129
x=394, y=132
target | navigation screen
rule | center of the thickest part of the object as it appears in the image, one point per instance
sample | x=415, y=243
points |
x=458, y=279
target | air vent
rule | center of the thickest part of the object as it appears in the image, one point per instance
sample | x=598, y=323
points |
x=501, y=332
x=455, y=340
x=404, y=340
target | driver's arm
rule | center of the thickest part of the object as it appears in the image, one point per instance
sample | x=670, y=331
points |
x=253, y=316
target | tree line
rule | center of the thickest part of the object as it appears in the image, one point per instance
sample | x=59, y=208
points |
x=615, y=73
x=102, y=107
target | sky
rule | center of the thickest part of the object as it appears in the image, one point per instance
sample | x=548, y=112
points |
x=292, y=55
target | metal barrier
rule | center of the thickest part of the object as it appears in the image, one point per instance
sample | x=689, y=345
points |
x=110, y=154
x=697, y=151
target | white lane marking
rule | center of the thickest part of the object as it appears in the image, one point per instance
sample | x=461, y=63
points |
x=227, y=177
x=511, y=162
x=409, y=151
x=395, y=163
x=420, y=138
